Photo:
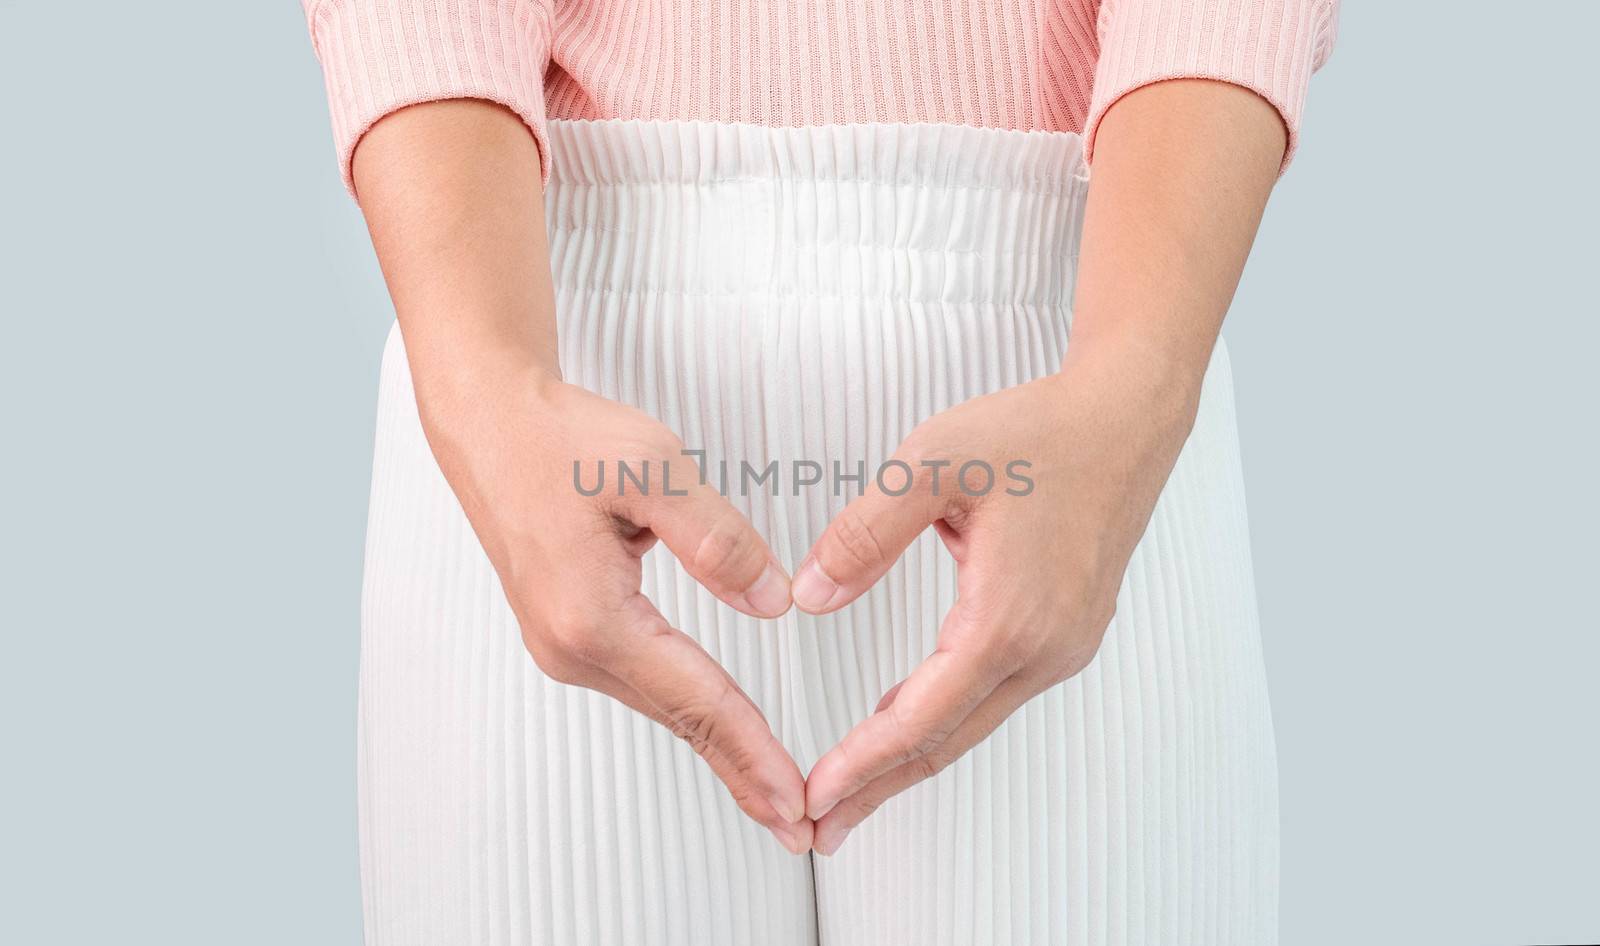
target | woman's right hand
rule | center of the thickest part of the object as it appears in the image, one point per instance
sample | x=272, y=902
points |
x=451, y=195
x=453, y=202
x=507, y=440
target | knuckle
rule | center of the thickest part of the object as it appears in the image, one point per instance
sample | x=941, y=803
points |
x=1068, y=664
x=700, y=723
x=936, y=479
x=926, y=742
x=918, y=739
x=570, y=674
x=1108, y=614
x=576, y=637
x=956, y=510
x=865, y=806
x=1083, y=658
x=1010, y=652
x=721, y=546
x=1044, y=673
x=919, y=444
x=1061, y=671
x=547, y=639
x=694, y=726
x=927, y=444
x=927, y=766
x=555, y=665
x=651, y=441
x=855, y=539
x=747, y=801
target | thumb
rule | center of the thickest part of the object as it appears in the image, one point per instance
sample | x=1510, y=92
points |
x=860, y=544
x=718, y=546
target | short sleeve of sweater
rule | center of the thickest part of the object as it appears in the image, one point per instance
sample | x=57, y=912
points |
x=379, y=56
x=1268, y=46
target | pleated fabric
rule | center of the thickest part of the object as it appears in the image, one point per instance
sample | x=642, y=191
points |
x=803, y=297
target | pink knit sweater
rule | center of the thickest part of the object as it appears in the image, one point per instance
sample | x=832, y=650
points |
x=1026, y=64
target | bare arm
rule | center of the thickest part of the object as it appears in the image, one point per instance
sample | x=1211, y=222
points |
x=452, y=197
x=451, y=192
x=1181, y=175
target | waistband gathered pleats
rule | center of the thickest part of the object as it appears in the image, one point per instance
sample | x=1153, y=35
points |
x=919, y=213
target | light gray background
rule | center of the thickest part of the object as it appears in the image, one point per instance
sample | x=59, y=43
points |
x=191, y=329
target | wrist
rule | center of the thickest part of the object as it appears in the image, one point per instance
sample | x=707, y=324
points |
x=1147, y=391
x=1163, y=371
x=458, y=374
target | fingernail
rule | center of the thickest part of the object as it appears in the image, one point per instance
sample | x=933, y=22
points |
x=786, y=810
x=828, y=841
x=823, y=809
x=770, y=594
x=813, y=591
x=790, y=839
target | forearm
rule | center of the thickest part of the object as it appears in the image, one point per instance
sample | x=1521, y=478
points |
x=1181, y=175
x=451, y=193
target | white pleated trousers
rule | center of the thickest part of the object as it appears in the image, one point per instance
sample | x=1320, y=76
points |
x=810, y=294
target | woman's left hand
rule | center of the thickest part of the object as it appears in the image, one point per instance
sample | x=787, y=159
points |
x=1038, y=573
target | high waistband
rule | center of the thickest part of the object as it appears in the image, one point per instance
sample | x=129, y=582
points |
x=938, y=214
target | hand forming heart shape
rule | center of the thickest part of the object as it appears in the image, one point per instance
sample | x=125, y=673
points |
x=570, y=564
x=1038, y=573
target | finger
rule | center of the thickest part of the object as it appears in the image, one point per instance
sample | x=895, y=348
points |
x=703, y=705
x=722, y=550
x=795, y=836
x=859, y=545
x=1006, y=699
x=930, y=705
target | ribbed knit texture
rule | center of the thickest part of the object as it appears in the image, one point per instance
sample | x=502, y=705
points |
x=1053, y=65
x=811, y=294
